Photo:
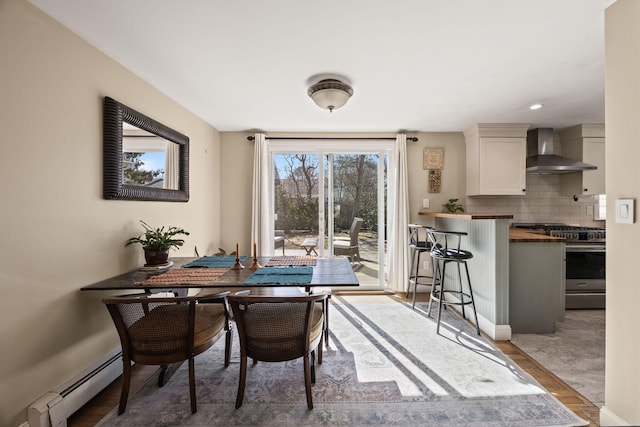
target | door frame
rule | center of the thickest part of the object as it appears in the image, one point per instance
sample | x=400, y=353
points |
x=323, y=147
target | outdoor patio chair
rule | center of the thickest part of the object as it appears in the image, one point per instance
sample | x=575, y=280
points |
x=349, y=246
x=278, y=240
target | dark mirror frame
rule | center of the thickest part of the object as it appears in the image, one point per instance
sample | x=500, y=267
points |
x=115, y=114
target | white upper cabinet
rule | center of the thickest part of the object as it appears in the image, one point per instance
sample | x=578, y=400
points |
x=496, y=159
x=584, y=143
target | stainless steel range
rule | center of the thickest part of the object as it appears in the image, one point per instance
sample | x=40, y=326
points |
x=585, y=263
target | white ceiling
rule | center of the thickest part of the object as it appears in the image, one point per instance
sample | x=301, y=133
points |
x=415, y=65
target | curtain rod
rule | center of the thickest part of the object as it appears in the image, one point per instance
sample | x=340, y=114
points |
x=409, y=138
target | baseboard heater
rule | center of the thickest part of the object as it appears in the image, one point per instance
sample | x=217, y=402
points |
x=53, y=408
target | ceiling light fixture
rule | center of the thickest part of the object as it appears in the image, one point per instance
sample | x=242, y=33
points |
x=535, y=106
x=330, y=93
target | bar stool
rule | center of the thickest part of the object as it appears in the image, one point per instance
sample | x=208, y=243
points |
x=418, y=245
x=445, y=248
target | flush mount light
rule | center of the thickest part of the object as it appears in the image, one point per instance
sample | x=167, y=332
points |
x=535, y=106
x=330, y=93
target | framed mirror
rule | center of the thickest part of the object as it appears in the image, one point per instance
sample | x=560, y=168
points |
x=142, y=158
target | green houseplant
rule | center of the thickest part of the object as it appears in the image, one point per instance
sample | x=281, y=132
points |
x=156, y=242
x=453, y=206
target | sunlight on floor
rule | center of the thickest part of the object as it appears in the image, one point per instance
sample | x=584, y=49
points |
x=391, y=342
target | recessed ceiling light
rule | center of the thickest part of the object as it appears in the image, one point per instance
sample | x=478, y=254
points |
x=535, y=106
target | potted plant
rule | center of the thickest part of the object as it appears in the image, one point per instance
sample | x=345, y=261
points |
x=156, y=242
x=453, y=206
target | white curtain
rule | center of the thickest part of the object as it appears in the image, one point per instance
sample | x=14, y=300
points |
x=399, y=218
x=261, y=227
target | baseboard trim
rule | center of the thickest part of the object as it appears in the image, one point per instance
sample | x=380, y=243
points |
x=502, y=333
x=495, y=332
x=608, y=418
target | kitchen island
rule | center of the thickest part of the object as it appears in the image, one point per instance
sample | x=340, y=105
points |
x=488, y=239
x=536, y=281
x=517, y=275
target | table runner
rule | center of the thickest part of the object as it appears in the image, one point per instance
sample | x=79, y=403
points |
x=185, y=277
x=213, y=262
x=281, y=275
x=288, y=261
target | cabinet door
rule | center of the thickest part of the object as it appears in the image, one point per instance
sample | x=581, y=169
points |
x=502, y=166
x=589, y=150
x=593, y=182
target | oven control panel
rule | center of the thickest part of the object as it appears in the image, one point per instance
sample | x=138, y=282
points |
x=580, y=236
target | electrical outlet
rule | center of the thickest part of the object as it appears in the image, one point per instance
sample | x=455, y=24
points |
x=590, y=210
x=425, y=203
x=426, y=265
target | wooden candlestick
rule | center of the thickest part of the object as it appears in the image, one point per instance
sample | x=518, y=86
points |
x=255, y=264
x=237, y=265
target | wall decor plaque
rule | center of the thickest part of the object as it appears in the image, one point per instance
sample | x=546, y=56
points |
x=433, y=158
x=435, y=179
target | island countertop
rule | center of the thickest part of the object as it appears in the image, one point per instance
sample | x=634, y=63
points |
x=465, y=215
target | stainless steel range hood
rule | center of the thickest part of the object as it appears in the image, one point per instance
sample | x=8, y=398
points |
x=540, y=157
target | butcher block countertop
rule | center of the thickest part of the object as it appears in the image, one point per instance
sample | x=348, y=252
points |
x=464, y=215
x=520, y=235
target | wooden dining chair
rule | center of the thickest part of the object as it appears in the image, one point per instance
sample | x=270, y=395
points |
x=166, y=330
x=276, y=329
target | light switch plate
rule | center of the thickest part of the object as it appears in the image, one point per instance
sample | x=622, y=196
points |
x=425, y=203
x=625, y=211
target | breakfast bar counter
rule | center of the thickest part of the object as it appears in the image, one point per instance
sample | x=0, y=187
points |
x=465, y=215
x=488, y=239
x=517, y=274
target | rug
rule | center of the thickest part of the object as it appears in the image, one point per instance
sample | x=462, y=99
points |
x=385, y=366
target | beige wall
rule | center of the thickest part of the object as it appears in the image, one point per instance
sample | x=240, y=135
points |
x=58, y=234
x=453, y=175
x=236, y=173
x=237, y=179
x=622, y=106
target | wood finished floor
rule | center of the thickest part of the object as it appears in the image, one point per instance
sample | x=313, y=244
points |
x=90, y=414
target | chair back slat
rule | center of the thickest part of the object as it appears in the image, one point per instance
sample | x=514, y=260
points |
x=274, y=329
x=446, y=244
x=154, y=327
x=162, y=330
x=354, y=232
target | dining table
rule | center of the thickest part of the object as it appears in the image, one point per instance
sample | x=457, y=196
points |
x=181, y=275
x=270, y=275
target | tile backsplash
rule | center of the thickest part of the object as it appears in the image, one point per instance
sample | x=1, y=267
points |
x=542, y=203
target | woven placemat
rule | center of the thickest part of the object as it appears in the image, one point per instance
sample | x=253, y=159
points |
x=185, y=277
x=291, y=261
x=214, y=262
x=281, y=275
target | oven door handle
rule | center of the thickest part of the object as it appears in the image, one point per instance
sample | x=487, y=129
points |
x=585, y=248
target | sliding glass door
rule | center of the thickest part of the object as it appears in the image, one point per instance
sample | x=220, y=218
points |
x=297, y=195
x=317, y=194
x=356, y=192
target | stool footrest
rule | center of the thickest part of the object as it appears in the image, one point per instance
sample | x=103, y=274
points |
x=435, y=296
x=438, y=291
